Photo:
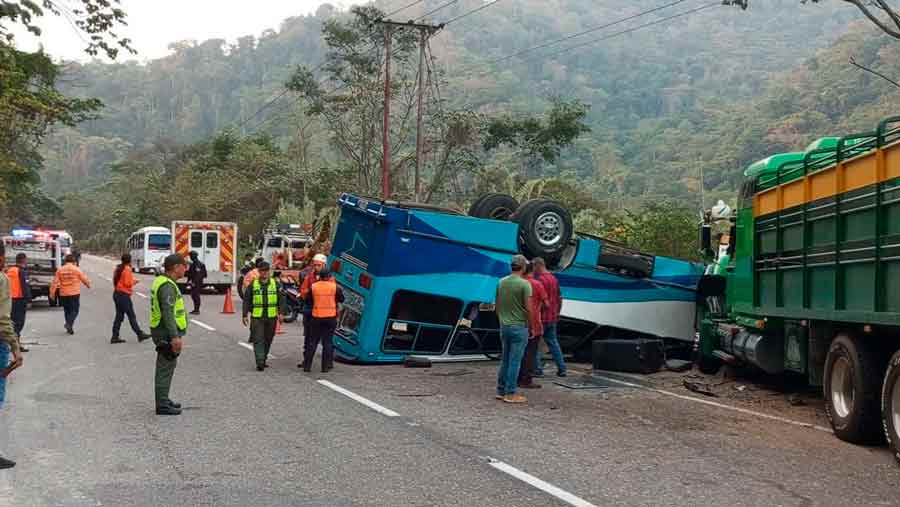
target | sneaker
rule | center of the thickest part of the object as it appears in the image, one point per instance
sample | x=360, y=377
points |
x=117, y=340
x=6, y=463
x=562, y=374
x=515, y=398
x=195, y=312
x=167, y=410
x=143, y=336
x=498, y=397
x=70, y=330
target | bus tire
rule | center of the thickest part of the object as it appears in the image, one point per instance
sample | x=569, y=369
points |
x=545, y=228
x=852, y=390
x=629, y=263
x=494, y=207
x=890, y=405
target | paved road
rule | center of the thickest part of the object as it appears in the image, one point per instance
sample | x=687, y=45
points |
x=80, y=422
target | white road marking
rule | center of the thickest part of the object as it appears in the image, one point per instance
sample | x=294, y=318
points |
x=544, y=486
x=250, y=348
x=722, y=405
x=357, y=398
x=141, y=294
x=108, y=279
x=204, y=326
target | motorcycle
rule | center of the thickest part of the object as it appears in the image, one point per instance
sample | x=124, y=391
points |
x=293, y=305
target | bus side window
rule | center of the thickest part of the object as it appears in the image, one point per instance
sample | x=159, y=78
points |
x=420, y=322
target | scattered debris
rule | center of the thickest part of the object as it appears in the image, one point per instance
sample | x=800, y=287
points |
x=678, y=365
x=796, y=401
x=740, y=388
x=697, y=387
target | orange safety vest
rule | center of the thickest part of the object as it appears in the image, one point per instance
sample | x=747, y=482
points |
x=324, y=301
x=15, y=283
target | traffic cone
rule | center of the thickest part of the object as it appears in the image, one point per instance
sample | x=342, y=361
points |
x=229, y=304
x=278, y=329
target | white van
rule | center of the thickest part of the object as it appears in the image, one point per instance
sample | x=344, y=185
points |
x=148, y=247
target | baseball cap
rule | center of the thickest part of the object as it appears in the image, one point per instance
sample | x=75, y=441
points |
x=320, y=258
x=518, y=261
x=173, y=260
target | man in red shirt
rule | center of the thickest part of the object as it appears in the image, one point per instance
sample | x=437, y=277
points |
x=537, y=303
x=550, y=319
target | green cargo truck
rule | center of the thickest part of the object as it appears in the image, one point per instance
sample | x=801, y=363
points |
x=812, y=278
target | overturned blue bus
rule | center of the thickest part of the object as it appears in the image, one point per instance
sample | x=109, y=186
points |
x=421, y=280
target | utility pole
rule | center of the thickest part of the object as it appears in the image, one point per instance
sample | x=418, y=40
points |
x=386, y=125
x=425, y=31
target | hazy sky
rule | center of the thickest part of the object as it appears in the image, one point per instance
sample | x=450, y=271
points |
x=153, y=24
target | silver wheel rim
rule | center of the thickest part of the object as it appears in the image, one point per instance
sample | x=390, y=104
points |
x=548, y=228
x=895, y=410
x=842, y=392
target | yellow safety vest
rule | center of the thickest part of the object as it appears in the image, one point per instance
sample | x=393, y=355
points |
x=156, y=313
x=270, y=303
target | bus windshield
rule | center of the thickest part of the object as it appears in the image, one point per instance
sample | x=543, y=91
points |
x=159, y=241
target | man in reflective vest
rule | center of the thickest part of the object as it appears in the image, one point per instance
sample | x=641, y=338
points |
x=324, y=296
x=310, y=276
x=20, y=293
x=262, y=302
x=168, y=325
x=67, y=285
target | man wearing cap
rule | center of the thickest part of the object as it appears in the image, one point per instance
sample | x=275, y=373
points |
x=513, y=295
x=324, y=297
x=261, y=313
x=318, y=263
x=168, y=325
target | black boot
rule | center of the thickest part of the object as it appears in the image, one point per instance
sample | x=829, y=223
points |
x=173, y=404
x=6, y=463
x=142, y=337
x=117, y=340
x=166, y=409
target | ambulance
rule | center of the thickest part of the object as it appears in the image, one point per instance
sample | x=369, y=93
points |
x=216, y=246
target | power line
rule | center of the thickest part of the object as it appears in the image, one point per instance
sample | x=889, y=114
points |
x=585, y=32
x=438, y=8
x=473, y=11
x=634, y=29
x=269, y=103
x=403, y=8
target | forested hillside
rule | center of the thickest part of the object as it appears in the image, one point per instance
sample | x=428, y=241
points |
x=661, y=72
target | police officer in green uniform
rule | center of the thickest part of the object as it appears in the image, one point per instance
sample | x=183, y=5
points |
x=262, y=301
x=168, y=324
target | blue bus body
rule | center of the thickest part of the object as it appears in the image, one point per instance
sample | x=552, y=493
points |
x=421, y=281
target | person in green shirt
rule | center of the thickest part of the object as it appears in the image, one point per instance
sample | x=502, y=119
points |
x=261, y=312
x=513, y=294
x=168, y=325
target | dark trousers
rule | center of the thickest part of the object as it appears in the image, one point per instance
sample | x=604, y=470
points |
x=162, y=382
x=124, y=308
x=319, y=330
x=195, y=295
x=526, y=371
x=263, y=332
x=19, y=308
x=71, y=306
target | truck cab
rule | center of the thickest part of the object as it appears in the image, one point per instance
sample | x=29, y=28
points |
x=44, y=258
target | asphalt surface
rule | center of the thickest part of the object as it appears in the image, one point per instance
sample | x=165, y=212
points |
x=79, y=421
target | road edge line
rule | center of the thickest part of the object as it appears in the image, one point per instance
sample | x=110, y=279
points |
x=744, y=411
x=203, y=325
x=359, y=399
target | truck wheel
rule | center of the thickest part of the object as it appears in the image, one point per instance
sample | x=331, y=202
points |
x=852, y=389
x=545, y=228
x=890, y=405
x=494, y=206
x=708, y=365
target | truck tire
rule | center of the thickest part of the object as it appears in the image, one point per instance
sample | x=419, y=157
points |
x=708, y=365
x=852, y=390
x=494, y=207
x=890, y=405
x=545, y=228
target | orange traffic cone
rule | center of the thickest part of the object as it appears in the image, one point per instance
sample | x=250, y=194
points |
x=278, y=329
x=229, y=304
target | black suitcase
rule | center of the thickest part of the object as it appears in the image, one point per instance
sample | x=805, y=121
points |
x=634, y=356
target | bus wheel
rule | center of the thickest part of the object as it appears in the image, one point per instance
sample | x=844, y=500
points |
x=890, y=405
x=545, y=228
x=852, y=382
x=494, y=206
